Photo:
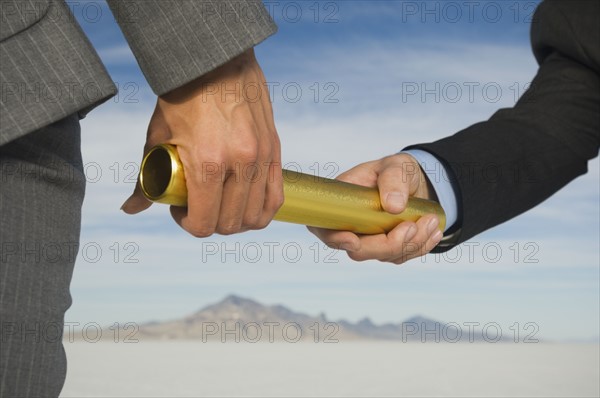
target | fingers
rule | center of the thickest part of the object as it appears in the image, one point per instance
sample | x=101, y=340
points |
x=427, y=236
x=252, y=211
x=274, y=184
x=205, y=190
x=385, y=247
x=266, y=191
x=339, y=240
x=274, y=193
x=228, y=197
x=407, y=241
x=234, y=203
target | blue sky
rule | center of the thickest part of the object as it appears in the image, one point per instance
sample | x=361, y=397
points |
x=341, y=80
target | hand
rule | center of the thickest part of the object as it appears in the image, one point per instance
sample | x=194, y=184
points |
x=397, y=177
x=222, y=125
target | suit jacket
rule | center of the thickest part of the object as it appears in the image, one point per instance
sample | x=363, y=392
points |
x=523, y=155
x=49, y=69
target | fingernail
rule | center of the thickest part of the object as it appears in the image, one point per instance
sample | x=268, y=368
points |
x=412, y=231
x=432, y=225
x=437, y=236
x=395, y=199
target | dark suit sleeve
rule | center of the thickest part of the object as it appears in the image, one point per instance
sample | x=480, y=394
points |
x=177, y=41
x=523, y=155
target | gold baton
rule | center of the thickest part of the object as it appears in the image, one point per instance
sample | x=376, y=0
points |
x=309, y=200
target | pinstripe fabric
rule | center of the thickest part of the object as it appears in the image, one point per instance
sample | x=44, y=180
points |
x=47, y=71
x=40, y=209
x=175, y=41
x=18, y=16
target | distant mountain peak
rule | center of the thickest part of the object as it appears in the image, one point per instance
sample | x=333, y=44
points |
x=236, y=300
x=419, y=319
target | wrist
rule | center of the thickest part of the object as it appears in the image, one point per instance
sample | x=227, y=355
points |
x=231, y=71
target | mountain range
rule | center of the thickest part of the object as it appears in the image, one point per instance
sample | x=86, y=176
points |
x=238, y=319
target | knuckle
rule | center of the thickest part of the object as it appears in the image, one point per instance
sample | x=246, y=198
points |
x=333, y=245
x=210, y=155
x=229, y=229
x=263, y=223
x=201, y=232
x=208, y=167
x=401, y=260
x=212, y=161
x=274, y=203
x=279, y=199
x=357, y=256
x=410, y=248
x=247, y=153
x=253, y=220
x=275, y=136
x=265, y=151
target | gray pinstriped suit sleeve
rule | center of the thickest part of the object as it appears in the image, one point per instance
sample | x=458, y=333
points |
x=49, y=76
x=177, y=41
x=48, y=68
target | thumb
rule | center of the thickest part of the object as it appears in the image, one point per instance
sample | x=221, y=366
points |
x=137, y=202
x=393, y=188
